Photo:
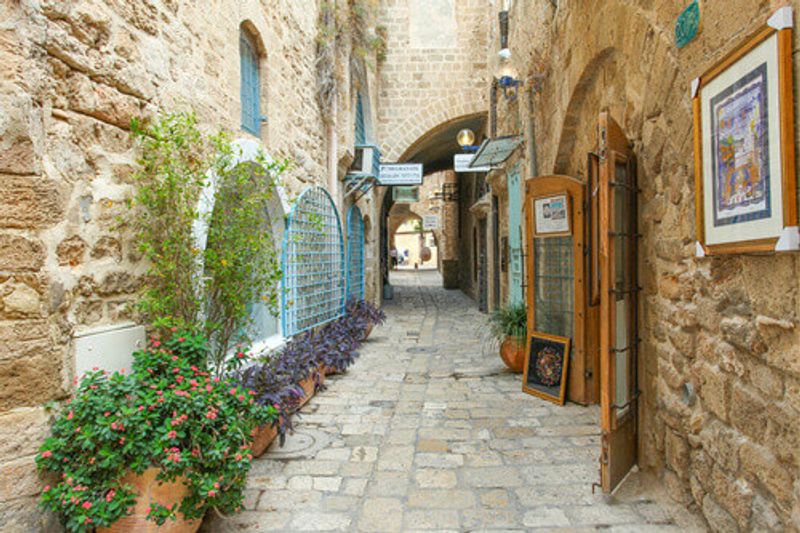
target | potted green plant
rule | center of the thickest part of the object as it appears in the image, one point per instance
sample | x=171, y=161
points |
x=508, y=325
x=166, y=442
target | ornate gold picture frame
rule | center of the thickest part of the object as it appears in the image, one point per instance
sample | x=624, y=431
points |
x=744, y=146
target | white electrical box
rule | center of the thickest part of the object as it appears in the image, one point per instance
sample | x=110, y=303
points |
x=108, y=348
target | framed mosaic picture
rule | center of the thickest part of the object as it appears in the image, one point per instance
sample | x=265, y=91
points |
x=746, y=194
x=546, y=363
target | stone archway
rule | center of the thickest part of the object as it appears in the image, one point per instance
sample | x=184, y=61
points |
x=436, y=114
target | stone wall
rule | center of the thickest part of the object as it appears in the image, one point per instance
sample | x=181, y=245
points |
x=435, y=69
x=727, y=325
x=73, y=75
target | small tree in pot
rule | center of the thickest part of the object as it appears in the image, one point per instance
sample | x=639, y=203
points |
x=509, y=327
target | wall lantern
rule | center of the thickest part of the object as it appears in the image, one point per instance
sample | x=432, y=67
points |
x=507, y=75
x=466, y=140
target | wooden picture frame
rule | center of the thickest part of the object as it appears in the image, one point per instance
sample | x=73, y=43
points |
x=744, y=153
x=545, y=223
x=546, y=367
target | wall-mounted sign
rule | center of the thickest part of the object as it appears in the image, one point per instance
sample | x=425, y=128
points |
x=405, y=195
x=688, y=24
x=400, y=174
x=551, y=215
x=461, y=164
x=430, y=222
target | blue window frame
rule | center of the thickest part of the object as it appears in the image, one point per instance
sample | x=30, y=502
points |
x=250, y=91
x=355, y=254
x=361, y=130
x=313, y=264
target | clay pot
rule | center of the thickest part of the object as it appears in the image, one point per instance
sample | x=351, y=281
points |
x=367, y=332
x=308, y=385
x=329, y=370
x=149, y=490
x=264, y=436
x=512, y=352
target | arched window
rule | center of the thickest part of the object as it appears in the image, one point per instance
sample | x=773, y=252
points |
x=313, y=264
x=250, y=89
x=355, y=254
x=264, y=330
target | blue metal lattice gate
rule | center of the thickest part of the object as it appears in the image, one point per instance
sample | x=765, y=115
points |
x=355, y=254
x=313, y=264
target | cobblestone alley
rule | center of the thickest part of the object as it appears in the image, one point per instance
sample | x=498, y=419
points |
x=426, y=432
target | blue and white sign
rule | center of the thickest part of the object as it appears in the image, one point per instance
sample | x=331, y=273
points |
x=400, y=174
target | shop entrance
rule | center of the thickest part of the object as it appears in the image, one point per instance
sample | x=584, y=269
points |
x=581, y=239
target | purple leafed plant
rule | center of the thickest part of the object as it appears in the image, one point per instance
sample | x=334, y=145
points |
x=365, y=310
x=275, y=379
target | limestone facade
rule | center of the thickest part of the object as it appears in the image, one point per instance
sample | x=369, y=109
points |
x=73, y=76
x=725, y=325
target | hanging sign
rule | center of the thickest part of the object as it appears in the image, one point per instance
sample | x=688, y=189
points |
x=430, y=222
x=461, y=164
x=405, y=195
x=400, y=174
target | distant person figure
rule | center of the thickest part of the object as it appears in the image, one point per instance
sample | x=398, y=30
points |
x=393, y=255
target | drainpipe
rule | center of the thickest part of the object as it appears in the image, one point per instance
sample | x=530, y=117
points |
x=333, y=149
x=534, y=169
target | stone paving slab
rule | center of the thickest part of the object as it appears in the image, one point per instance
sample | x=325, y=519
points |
x=429, y=432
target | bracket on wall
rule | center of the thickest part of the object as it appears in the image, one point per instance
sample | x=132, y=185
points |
x=361, y=184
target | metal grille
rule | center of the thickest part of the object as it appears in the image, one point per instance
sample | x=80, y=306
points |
x=361, y=131
x=355, y=253
x=313, y=264
x=554, y=279
x=250, y=84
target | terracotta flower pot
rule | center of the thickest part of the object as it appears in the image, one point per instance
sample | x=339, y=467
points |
x=367, y=331
x=150, y=490
x=329, y=370
x=309, y=387
x=264, y=436
x=513, y=354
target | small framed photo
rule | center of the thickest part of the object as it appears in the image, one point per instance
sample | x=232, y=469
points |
x=551, y=216
x=746, y=194
x=546, y=363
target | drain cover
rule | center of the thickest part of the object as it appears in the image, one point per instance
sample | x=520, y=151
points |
x=304, y=442
x=422, y=349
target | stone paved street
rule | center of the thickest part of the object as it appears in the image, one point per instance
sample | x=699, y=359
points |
x=425, y=432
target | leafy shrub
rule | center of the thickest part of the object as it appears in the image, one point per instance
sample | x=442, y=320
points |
x=169, y=413
x=509, y=321
x=207, y=290
x=337, y=342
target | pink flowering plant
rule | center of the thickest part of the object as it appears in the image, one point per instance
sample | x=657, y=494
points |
x=168, y=413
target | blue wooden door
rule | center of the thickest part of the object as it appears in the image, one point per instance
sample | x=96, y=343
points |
x=514, y=236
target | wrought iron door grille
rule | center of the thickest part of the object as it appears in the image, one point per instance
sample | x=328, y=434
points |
x=554, y=280
x=313, y=264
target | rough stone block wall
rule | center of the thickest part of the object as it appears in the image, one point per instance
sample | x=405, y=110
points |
x=72, y=75
x=435, y=68
x=729, y=325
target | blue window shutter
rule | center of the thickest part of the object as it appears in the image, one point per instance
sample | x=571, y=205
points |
x=361, y=134
x=250, y=86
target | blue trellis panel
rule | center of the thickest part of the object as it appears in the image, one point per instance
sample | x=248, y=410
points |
x=355, y=253
x=313, y=264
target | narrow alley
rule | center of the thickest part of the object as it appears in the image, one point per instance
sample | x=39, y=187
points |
x=423, y=435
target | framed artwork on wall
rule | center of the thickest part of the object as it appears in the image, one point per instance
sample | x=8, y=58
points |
x=746, y=194
x=546, y=363
x=551, y=216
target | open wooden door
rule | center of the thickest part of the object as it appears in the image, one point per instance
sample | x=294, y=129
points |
x=619, y=288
